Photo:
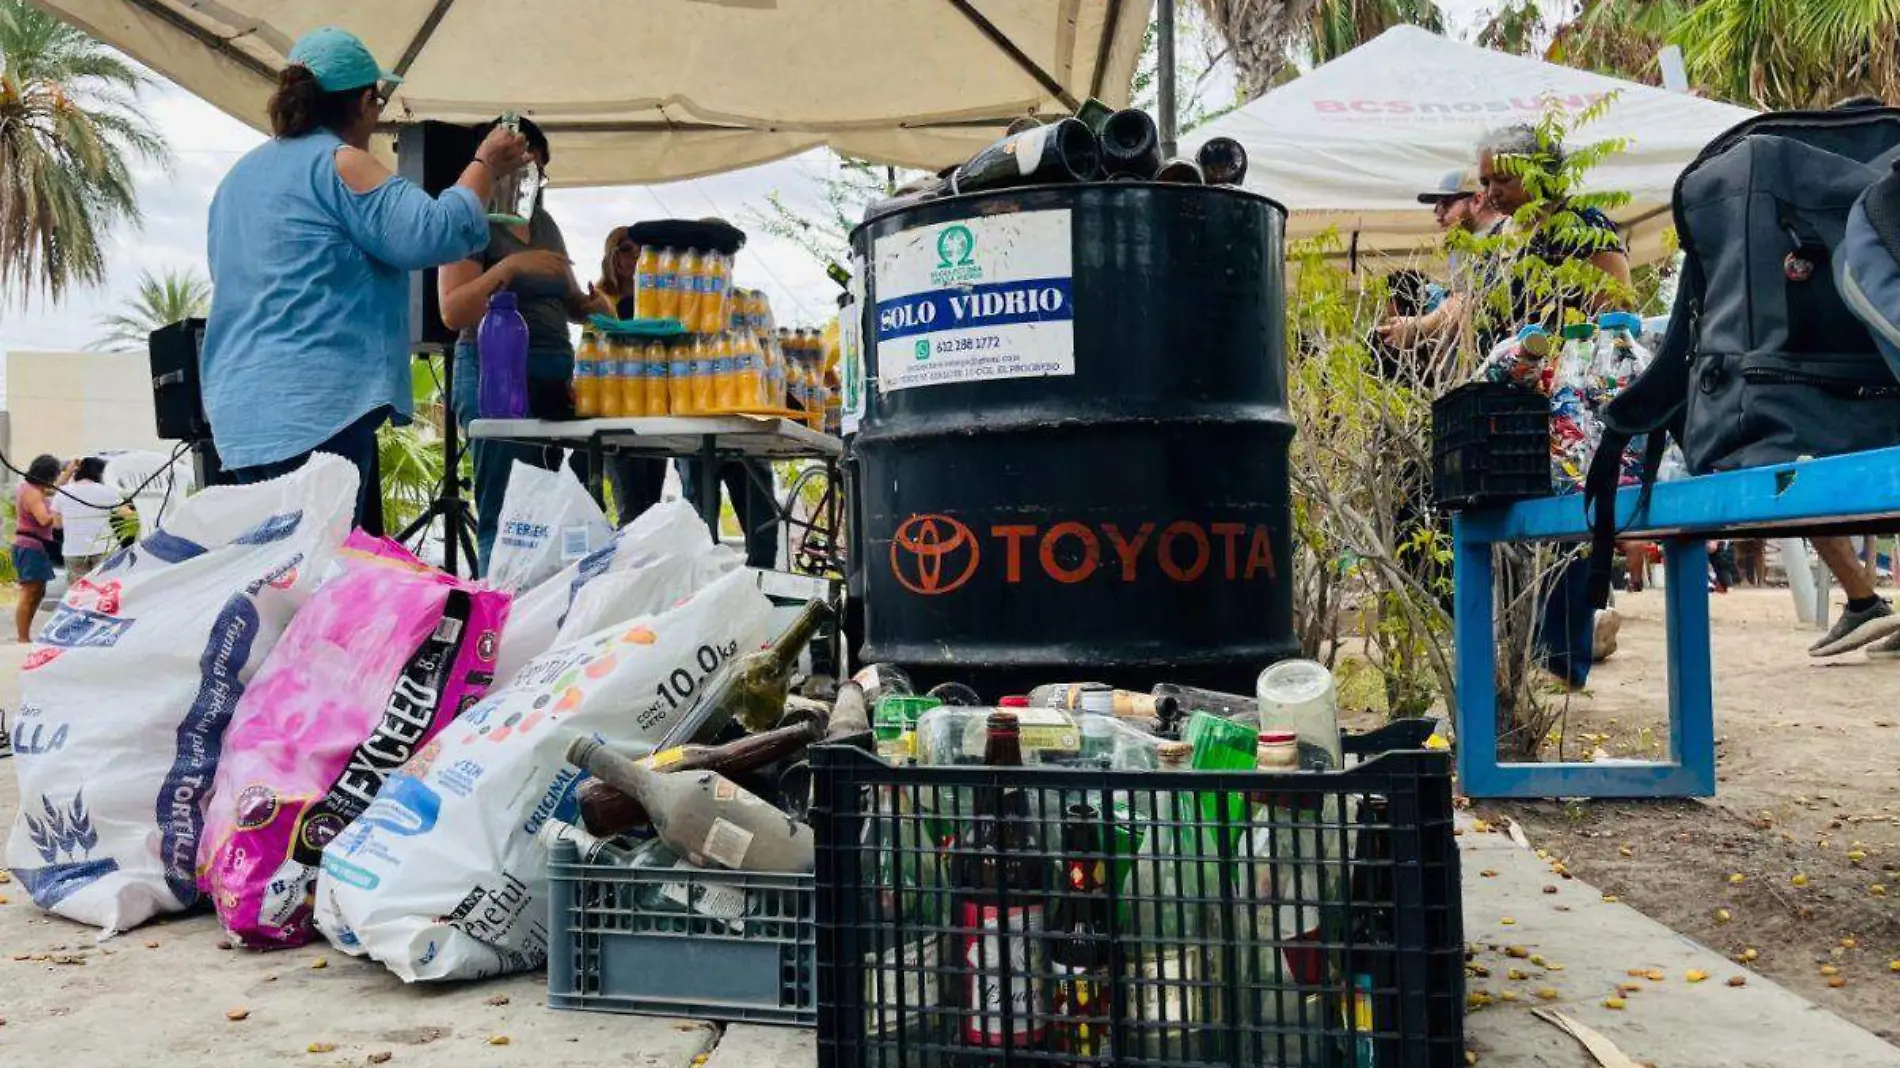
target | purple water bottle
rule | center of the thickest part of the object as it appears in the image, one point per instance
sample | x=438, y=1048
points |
x=502, y=343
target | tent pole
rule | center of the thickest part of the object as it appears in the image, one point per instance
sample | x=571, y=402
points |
x=1164, y=76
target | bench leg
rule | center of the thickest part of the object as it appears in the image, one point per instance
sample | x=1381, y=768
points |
x=1476, y=656
x=1691, y=669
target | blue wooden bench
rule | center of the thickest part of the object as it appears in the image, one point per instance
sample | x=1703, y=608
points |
x=1682, y=516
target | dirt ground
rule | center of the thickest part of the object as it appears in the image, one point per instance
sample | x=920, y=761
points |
x=1797, y=858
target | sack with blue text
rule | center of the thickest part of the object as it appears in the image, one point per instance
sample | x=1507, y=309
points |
x=442, y=877
x=127, y=693
x=547, y=522
x=539, y=613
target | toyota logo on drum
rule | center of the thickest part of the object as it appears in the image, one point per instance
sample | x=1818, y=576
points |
x=932, y=554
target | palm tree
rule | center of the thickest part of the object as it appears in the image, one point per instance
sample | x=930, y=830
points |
x=1271, y=41
x=1792, y=53
x=69, y=131
x=161, y=301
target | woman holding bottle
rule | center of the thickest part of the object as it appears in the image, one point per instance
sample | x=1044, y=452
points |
x=531, y=262
x=637, y=481
x=310, y=243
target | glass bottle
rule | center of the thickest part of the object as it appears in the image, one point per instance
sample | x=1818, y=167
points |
x=1082, y=946
x=750, y=688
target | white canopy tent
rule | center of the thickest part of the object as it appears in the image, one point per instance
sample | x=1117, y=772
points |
x=1352, y=144
x=654, y=90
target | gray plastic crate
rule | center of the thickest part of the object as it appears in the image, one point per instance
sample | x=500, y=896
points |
x=623, y=940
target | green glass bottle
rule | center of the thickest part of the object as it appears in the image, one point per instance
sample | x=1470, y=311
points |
x=750, y=688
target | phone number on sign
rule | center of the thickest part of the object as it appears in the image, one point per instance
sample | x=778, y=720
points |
x=968, y=344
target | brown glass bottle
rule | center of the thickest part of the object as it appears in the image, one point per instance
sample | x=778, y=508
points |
x=998, y=905
x=1082, y=960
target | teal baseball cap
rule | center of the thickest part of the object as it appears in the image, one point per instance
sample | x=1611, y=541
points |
x=339, y=59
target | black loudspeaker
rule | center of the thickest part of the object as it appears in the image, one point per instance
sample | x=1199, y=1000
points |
x=432, y=155
x=176, y=396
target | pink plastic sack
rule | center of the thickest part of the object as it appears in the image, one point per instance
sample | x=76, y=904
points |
x=384, y=655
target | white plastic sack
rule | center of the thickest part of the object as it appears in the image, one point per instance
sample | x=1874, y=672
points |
x=547, y=522
x=664, y=529
x=442, y=877
x=126, y=695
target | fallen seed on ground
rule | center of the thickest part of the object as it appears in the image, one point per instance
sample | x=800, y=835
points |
x=1737, y=980
x=1550, y=889
x=1737, y=879
x=498, y=1040
x=1628, y=988
x=1478, y=971
x=1518, y=974
x=151, y=945
x=235, y=1015
x=1829, y=969
x=1625, y=851
x=498, y=999
x=1470, y=1058
x=381, y=1056
x=1516, y=952
x=1837, y=982
x=1848, y=943
x=1508, y=922
x=320, y=1047
x=1877, y=890
x=1654, y=975
x=1613, y=1003
x=1723, y=915
x=1537, y=959
x=1611, y=899
x=1695, y=975
x=1508, y=995
x=1799, y=880
x=1856, y=856
x=1488, y=874
x=1548, y=993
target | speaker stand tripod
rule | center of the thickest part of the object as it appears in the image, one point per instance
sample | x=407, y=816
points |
x=458, y=519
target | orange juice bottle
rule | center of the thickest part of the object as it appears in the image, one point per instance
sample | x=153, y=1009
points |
x=654, y=362
x=587, y=376
x=632, y=379
x=679, y=375
x=646, y=284
x=725, y=371
x=745, y=374
x=699, y=381
x=669, y=273
x=712, y=294
x=607, y=379
x=689, y=282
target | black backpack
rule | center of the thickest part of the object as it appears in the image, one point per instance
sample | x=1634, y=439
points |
x=1763, y=362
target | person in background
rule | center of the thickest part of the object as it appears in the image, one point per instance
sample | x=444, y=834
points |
x=1505, y=158
x=89, y=505
x=35, y=525
x=637, y=481
x=1868, y=621
x=1456, y=205
x=531, y=260
x=311, y=242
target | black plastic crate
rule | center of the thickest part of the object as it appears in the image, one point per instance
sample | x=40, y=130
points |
x=733, y=946
x=1230, y=918
x=1490, y=445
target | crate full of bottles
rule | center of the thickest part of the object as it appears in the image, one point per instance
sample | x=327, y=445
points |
x=981, y=912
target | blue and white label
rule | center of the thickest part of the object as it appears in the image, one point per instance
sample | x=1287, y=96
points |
x=975, y=300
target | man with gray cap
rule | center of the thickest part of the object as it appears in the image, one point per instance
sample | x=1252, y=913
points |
x=1456, y=203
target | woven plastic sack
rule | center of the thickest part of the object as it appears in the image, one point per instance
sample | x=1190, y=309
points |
x=126, y=696
x=442, y=877
x=387, y=652
x=547, y=522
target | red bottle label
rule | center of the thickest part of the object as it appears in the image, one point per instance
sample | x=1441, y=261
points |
x=995, y=945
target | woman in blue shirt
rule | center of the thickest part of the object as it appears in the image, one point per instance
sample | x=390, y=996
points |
x=311, y=241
